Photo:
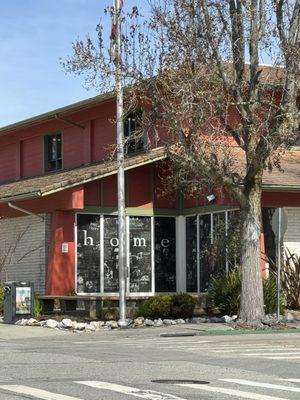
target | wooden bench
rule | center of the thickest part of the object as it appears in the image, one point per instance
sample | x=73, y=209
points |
x=93, y=304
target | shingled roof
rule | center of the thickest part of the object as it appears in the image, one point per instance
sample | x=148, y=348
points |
x=288, y=179
x=51, y=183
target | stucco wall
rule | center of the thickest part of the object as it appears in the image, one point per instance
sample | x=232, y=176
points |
x=292, y=235
x=29, y=261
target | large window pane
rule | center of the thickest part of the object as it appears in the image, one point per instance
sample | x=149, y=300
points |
x=191, y=254
x=140, y=255
x=233, y=241
x=111, y=252
x=207, y=251
x=218, y=249
x=165, y=255
x=88, y=253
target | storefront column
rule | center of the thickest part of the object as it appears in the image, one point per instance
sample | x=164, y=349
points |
x=180, y=255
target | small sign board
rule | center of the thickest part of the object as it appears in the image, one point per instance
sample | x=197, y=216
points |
x=65, y=248
x=23, y=300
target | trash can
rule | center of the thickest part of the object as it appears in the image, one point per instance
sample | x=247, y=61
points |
x=18, y=301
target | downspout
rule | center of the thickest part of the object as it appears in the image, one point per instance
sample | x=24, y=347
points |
x=24, y=211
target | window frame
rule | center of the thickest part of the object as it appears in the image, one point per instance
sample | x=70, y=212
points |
x=46, y=143
x=135, y=141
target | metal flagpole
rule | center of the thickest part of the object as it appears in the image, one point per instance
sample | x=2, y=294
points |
x=120, y=160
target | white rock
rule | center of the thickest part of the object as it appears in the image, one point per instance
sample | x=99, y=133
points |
x=169, y=322
x=289, y=317
x=148, y=322
x=112, y=324
x=79, y=326
x=234, y=317
x=227, y=319
x=42, y=323
x=97, y=324
x=90, y=328
x=180, y=321
x=158, y=322
x=22, y=322
x=51, y=323
x=67, y=323
x=32, y=322
x=125, y=324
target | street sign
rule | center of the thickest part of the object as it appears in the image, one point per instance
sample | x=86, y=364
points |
x=279, y=223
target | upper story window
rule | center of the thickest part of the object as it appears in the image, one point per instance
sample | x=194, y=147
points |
x=53, y=152
x=134, y=137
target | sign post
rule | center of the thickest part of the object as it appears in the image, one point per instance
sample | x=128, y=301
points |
x=279, y=225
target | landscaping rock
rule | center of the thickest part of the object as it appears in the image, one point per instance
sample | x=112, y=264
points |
x=125, y=324
x=216, y=320
x=198, y=320
x=97, y=324
x=112, y=324
x=42, y=323
x=138, y=322
x=90, y=328
x=22, y=322
x=32, y=322
x=67, y=323
x=227, y=319
x=289, y=318
x=169, y=322
x=148, y=322
x=79, y=326
x=180, y=321
x=158, y=322
x=51, y=323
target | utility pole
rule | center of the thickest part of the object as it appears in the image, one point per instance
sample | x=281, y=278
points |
x=120, y=160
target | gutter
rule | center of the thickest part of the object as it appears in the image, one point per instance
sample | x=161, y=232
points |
x=13, y=206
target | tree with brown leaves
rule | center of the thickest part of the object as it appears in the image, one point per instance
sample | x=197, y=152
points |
x=195, y=68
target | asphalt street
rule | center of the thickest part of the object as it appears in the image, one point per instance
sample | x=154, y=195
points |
x=39, y=363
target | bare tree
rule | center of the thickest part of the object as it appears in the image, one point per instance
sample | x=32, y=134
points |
x=194, y=66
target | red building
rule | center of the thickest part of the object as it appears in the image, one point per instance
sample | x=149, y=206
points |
x=58, y=208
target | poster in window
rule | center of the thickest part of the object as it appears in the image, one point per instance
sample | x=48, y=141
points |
x=207, y=252
x=165, y=255
x=191, y=254
x=88, y=253
x=140, y=255
x=23, y=300
x=111, y=255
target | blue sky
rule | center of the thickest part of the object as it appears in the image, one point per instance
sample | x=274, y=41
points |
x=34, y=35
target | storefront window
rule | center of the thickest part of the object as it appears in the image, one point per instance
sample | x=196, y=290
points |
x=207, y=252
x=88, y=253
x=191, y=254
x=219, y=237
x=165, y=255
x=111, y=253
x=140, y=255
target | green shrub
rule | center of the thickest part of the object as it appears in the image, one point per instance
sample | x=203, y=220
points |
x=156, y=307
x=225, y=293
x=1, y=299
x=182, y=305
x=37, y=307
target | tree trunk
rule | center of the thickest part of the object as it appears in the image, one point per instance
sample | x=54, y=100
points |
x=252, y=300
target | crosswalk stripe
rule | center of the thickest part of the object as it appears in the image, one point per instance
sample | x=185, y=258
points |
x=294, y=380
x=262, y=385
x=131, y=391
x=232, y=392
x=37, y=393
x=270, y=354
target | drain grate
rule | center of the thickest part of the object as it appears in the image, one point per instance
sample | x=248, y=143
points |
x=180, y=381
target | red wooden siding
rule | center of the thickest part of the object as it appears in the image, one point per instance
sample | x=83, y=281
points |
x=8, y=162
x=73, y=147
x=61, y=266
x=103, y=138
x=92, y=194
x=160, y=200
x=139, y=187
x=109, y=191
x=32, y=157
x=280, y=199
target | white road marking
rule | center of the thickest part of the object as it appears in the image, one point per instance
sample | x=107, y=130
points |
x=130, y=391
x=294, y=380
x=283, y=358
x=262, y=385
x=270, y=354
x=247, y=349
x=37, y=393
x=232, y=392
